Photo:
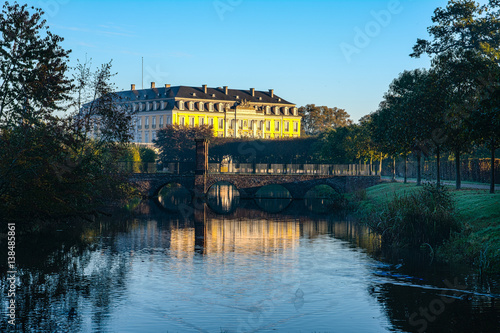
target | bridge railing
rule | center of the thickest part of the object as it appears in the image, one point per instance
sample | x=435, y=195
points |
x=292, y=169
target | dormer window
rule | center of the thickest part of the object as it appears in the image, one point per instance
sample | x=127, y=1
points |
x=201, y=106
x=221, y=107
x=276, y=110
x=295, y=111
x=181, y=105
x=286, y=111
x=191, y=106
x=268, y=110
x=210, y=106
x=154, y=106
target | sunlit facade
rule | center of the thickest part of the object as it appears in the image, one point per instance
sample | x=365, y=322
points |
x=230, y=112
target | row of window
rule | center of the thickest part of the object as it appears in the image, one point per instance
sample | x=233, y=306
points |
x=202, y=106
x=241, y=124
x=138, y=122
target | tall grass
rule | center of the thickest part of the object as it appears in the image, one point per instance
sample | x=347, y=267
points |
x=424, y=217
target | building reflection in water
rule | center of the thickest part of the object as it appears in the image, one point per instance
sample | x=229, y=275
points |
x=223, y=197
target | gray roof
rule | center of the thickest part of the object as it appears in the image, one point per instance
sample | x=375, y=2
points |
x=216, y=94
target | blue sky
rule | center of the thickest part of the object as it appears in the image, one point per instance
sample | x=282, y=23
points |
x=336, y=53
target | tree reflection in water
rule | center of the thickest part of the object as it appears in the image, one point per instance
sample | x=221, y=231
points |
x=162, y=271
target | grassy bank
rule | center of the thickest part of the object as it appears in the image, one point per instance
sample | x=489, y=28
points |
x=477, y=213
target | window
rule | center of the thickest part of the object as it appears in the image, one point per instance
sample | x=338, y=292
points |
x=169, y=120
x=182, y=122
x=201, y=121
x=201, y=106
x=191, y=121
x=139, y=122
x=221, y=107
x=146, y=137
x=287, y=126
x=153, y=136
x=268, y=109
x=146, y=122
x=191, y=106
x=153, y=122
x=161, y=121
x=251, y=124
x=210, y=106
x=277, y=126
x=155, y=105
x=295, y=111
x=295, y=126
x=276, y=110
x=211, y=122
x=221, y=123
x=268, y=125
x=232, y=124
x=181, y=105
x=138, y=138
x=286, y=111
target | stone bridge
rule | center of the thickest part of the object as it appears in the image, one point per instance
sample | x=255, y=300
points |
x=248, y=184
x=298, y=185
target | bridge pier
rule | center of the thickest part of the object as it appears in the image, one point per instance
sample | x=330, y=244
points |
x=200, y=173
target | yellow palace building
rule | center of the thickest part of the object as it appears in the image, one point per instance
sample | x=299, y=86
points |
x=231, y=112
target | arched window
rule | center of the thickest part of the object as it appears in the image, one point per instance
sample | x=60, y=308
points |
x=181, y=105
x=191, y=106
x=210, y=106
x=201, y=106
x=268, y=109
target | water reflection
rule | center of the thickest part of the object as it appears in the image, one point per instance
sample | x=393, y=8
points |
x=321, y=199
x=244, y=271
x=273, y=198
x=172, y=196
x=223, y=197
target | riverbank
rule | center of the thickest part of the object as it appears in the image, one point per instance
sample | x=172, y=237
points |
x=478, y=215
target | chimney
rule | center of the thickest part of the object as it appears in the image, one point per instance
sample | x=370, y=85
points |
x=152, y=85
x=271, y=92
x=205, y=88
x=225, y=90
x=132, y=87
x=167, y=85
x=253, y=91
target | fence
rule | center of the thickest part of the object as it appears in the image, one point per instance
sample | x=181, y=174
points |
x=474, y=170
x=292, y=169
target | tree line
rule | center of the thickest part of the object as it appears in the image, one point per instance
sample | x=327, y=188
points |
x=49, y=165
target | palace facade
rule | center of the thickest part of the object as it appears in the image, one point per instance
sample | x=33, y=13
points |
x=230, y=112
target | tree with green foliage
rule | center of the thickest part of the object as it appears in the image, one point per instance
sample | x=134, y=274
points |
x=470, y=33
x=49, y=166
x=33, y=67
x=177, y=143
x=317, y=119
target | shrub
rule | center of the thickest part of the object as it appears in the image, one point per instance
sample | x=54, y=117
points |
x=423, y=217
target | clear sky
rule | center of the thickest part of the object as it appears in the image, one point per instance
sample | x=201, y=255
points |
x=335, y=53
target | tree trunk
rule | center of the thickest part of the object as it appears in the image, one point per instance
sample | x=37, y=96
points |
x=419, y=168
x=492, y=181
x=380, y=167
x=457, y=170
x=406, y=170
x=438, y=172
x=394, y=169
x=371, y=163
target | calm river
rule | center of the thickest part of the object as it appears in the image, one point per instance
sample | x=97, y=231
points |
x=271, y=265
